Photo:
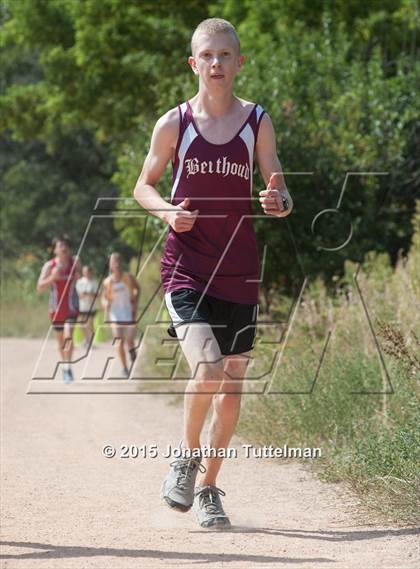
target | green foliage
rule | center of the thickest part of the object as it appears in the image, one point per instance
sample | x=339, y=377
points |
x=333, y=116
x=102, y=62
x=389, y=23
x=74, y=77
x=338, y=80
x=48, y=194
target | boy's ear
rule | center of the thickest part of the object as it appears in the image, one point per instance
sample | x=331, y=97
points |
x=192, y=64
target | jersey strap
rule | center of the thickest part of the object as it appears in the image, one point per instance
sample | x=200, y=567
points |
x=127, y=279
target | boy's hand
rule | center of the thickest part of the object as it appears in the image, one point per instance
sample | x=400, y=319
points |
x=271, y=199
x=55, y=274
x=180, y=219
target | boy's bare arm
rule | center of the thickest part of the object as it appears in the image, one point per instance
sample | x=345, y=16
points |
x=104, y=298
x=136, y=296
x=271, y=170
x=77, y=269
x=46, y=277
x=162, y=150
x=136, y=287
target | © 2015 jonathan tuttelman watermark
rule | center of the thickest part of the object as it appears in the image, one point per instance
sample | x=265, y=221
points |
x=247, y=451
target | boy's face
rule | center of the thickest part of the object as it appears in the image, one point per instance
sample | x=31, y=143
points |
x=216, y=60
x=62, y=250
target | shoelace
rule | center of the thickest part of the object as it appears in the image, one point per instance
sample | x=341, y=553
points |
x=186, y=467
x=208, y=498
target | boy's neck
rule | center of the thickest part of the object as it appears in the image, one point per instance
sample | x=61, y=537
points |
x=214, y=105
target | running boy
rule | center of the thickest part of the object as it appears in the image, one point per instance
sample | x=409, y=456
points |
x=120, y=298
x=210, y=267
x=60, y=275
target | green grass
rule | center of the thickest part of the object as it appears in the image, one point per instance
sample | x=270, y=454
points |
x=370, y=441
x=24, y=319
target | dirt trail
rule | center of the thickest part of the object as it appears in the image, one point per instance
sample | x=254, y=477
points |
x=64, y=505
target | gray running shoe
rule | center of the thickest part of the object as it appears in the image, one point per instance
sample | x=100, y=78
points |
x=208, y=507
x=178, y=486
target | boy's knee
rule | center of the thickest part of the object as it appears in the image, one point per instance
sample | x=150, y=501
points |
x=209, y=376
x=227, y=403
x=67, y=343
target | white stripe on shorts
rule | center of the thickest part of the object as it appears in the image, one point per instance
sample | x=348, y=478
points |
x=172, y=312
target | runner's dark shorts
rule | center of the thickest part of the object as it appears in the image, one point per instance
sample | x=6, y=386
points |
x=59, y=325
x=88, y=314
x=234, y=325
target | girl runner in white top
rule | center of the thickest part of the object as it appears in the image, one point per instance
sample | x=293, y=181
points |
x=87, y=290
x=120, y=299
x=121, y=309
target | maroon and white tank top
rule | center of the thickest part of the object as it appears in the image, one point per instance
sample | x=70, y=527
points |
x=219, y=255
x=64, y=301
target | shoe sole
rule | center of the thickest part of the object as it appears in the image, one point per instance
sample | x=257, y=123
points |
x=175, y=505
x=217, y=525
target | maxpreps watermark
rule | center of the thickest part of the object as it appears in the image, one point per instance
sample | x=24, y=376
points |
x=247, y=451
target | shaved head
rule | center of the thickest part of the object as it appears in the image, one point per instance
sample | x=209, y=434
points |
x=213, y=26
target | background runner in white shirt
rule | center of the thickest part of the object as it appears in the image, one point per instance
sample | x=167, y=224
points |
x=87, y=290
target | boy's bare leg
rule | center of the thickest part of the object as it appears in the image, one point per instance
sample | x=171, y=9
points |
x=130, y=332
x=203, y=355
x=121, y=352
x=226, y=410
x=206, y=364
x=60, y=341
x=67, y=343
x=65, y=346
x=89, y=330
x=130, y=337
x=118, y=333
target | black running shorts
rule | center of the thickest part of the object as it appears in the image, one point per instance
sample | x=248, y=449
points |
x=59, y=325
x=87, y=314
x=234, y=325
